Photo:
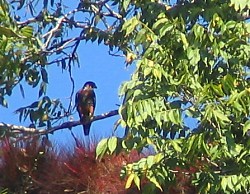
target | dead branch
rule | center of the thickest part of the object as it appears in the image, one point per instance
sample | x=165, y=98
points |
x=70, y=73
x=16, y=129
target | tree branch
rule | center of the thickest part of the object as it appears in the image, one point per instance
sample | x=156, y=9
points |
x=70, y=73
x=33, y=131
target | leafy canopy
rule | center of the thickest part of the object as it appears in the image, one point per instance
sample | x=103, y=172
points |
x=189, y=96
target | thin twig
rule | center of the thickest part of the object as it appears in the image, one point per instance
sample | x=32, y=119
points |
x=70, y=71
x=60, y=21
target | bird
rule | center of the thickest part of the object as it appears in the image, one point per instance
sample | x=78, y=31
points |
x=85, y=102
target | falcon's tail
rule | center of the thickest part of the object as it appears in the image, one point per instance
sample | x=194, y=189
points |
x=86, y=128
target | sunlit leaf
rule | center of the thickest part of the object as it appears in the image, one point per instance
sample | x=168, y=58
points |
x=27, y=31
x=246, y=127
x=158, y=157
x=112, y=143
x=130, y=25
x=129, y=181
x=101, y=148
x=176, y=146
x=137, y=181
x=7, y=32
x=154, y=180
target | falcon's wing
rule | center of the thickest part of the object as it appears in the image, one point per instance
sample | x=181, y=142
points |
x=93, y=98
x=90, y=102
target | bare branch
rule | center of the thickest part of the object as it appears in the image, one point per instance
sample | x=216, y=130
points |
x=60, y=21
x=17, y=128
x=33, y=131
x=39, y=17
x=70, y=72
x=111, y=12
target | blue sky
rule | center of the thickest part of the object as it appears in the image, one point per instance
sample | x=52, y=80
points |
x=107, y=71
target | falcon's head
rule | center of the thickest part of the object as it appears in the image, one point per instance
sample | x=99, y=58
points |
x=89, y=85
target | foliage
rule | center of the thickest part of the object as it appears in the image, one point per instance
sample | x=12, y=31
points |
x=3, y=191
x=188, y=98
x=20, y=56
x=192, y=67
x=41, y=113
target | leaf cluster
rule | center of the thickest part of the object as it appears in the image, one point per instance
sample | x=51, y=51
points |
x=43, y=113
x=20, y=56
x=188, y=98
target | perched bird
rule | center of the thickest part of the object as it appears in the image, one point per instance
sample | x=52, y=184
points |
x=85, y=104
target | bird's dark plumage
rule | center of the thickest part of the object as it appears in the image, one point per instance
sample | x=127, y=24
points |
x=85, y=104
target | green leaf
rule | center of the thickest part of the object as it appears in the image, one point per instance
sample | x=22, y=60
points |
x=230, y=184
x=112, y=144
x=125, y=4
x=154, y=180
x=137, y=92
x=246, y=127
x=193, y=55
x=198, y=32
x=217, y=89
x=224, y=183
x=240, y=5
x=150, y=161
x=157, y=73
x=166, y=29
x=129, y=181
x=137, y=181
x=158, y=157
x=7, y=32
x=27, y=31
x=231, y=24
x=228, y=83
x=174, y=116
x=159, y=22
x=101, y=148
x=175, y=145
x=130, y=25
x=184, y=41
x=230, y=142
x=147, y=71
x=220, y=116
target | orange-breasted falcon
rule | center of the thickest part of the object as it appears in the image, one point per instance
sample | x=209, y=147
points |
x=85, y=104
